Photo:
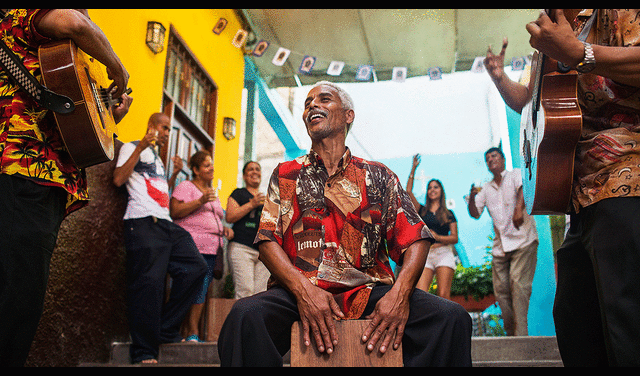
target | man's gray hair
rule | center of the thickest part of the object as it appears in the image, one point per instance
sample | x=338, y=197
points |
x=345, y=98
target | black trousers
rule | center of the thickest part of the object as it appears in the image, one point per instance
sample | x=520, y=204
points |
x=597, y=303
x=156, y=247
x=30, y=217
x=257, y=331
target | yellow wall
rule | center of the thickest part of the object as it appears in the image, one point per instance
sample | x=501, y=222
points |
x=126, y=30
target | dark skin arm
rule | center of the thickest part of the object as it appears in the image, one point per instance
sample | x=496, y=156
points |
x=471, y=206
x=121, y=174
x=518, y=211
x=77, y=26
x=391, y=313
x=514, y=94
x=317, y=307
x=557, y=40
x=235, y=212
x=553, y=36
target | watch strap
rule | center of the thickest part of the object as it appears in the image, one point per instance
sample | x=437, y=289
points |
x=582, y=37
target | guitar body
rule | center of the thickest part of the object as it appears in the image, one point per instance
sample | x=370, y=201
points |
x=549, y=132
x=88, y=132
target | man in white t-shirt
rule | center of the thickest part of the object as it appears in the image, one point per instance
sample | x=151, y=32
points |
x=155, y=246
x=515, y=245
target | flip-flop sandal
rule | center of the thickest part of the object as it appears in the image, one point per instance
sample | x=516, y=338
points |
x=193, y=338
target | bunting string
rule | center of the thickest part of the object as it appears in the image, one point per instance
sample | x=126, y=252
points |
x=363, y=72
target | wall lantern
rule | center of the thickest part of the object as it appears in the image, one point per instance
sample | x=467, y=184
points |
x=229, y=128
x=155, y=36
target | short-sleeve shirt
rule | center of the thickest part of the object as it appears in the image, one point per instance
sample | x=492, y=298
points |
x=434, y=224
x=205, y=223
x=500, y=201
x=246, y=228
x=147, y=186
x=341, y=230
x=30, y=144
x=608, y=153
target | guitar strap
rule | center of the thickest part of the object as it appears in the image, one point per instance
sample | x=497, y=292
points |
x=587, y=26
x=27, y=82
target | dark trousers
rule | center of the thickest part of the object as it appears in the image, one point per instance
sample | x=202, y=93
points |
x=156, y=247
x=598, y=294
x=30, y=217
x=257, y=331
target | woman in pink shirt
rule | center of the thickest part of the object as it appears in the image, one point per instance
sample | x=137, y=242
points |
x=195, y=206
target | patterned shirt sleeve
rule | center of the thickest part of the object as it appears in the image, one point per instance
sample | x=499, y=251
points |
x=270, y=228
x=403, y=225
x=30, y=144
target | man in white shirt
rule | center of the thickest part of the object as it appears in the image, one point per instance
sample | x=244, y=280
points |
x=515, y=245
x=155, y=246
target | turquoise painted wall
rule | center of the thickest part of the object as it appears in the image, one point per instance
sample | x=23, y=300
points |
x=544, y=281
x=457, y=172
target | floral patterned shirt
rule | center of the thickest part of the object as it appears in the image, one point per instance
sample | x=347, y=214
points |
x=608, y=153
x=30, y=143
x=340, y=230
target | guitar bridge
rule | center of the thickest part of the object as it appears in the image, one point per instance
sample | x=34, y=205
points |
x=97, y=99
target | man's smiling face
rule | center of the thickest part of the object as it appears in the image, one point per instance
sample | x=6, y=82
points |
x=495, y=162
x=324, y=114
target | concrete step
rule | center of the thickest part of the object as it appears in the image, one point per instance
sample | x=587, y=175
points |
x=174, y=353
x=184, y=353
x=532, y=351
x=519, y=363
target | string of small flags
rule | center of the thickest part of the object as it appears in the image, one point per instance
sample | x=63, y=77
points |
x=363, y=72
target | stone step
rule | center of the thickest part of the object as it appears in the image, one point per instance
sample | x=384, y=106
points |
x=532, y=351
x=201, y=353
x=519, y=363
x=510, y=349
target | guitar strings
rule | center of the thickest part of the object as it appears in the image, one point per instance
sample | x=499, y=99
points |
x=106, y=98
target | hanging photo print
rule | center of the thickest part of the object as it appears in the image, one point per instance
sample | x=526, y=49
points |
x=281, y=56
x=478, y=65
x=517, y=63
x=435, y=73
x=239, y=39
x=220, y=25
x=363, y=73
x=335, y=68
x=399, y=74
x=307, y=64
x=260, y=49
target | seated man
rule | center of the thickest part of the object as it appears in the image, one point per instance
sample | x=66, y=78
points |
x=330, y=223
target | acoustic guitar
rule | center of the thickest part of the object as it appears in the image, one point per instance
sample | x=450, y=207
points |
x=89, y=130
x=550, y=128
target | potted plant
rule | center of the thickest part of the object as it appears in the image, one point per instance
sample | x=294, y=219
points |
x=472, y=287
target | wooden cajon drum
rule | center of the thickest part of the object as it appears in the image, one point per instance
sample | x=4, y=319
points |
x=217, y=311
x=350, y=351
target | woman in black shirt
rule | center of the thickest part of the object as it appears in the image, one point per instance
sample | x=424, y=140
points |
x=444, y=227
x=244, y=208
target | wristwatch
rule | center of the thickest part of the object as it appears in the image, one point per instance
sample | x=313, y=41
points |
x=589, y=62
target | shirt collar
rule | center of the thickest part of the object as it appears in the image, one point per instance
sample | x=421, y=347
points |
x=316, y=160
x=493, y=182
